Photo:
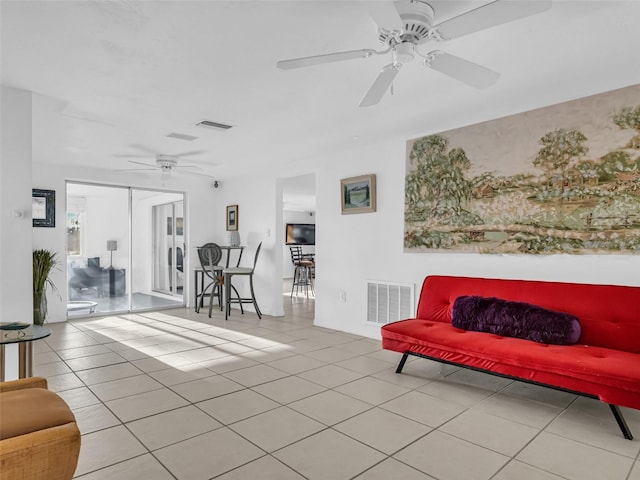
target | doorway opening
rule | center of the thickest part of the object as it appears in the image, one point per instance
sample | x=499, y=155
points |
x=299, y=226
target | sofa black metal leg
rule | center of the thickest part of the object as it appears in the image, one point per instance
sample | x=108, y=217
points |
x=401, y=364
x=621, y=421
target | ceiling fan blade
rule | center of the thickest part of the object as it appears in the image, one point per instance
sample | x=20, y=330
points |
x=490, y=15
x=134, y=169
x=326, y=58
x=194, y=167
x=145, y=164
x=384, y=14
x=192, y=152
x=128, y=155
x=380, y=85
x=462, y=70
x=144, y=149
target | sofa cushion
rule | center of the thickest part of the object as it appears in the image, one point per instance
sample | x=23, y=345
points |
x=32, y=409
x=514, y=319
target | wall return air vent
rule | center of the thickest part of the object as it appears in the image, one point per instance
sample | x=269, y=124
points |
x=214, y=125
x=388, y=302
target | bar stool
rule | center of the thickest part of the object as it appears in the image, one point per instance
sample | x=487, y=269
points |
x=228, y=273
x=210, y=255
x=303, y=272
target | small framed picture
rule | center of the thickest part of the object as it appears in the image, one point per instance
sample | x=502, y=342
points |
x=232, y=218
x=43, y=208
x=358, y=194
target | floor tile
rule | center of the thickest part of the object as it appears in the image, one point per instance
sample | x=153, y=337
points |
x=79, y=397
x=94, y=361
x=83, y=352
x=124, y=387
x=331, y=355
x=515, y=470
x=536, y=393
x=372, y=390
x=635, y=472
x=449, y=458
x=174, y=376
x=519, y=410
x=106, y=447
x=205, y=388
x=465, y=395
x=51, y=369
x=66, y=381
x=393, y=469
x=94, y=417
x=330, y=407
x=145, y=404
x=106, y=374
x=311, y=456
x=230, y=363
x=208, y=455
x=597, y=431
x=237, y=406
x=404, y=380
x=574, y=460
x=172, y=427
x=256, y=375
x=276, y=428
x=423, y=408
x=382, y=430
x=288, y=389
x=264, y=468
x=296, y=364
x=144, y=467
x=495, y=433
x=365, y=365
x=330, y=376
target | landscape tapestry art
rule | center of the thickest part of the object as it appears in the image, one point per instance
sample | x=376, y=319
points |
x=560, y=179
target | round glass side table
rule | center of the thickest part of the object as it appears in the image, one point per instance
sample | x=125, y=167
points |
x=23, y=334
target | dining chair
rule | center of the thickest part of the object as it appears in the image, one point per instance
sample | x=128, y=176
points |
x=303, y=272
x=228, y=273
x=210, y=255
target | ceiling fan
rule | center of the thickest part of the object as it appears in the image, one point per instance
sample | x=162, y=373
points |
x=164, y=162
x=405, y=25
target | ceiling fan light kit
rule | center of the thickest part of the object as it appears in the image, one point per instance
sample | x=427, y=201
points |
x=407, y=24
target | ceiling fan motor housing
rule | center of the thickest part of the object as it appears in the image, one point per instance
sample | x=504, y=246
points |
x=417, y=18
x=166, y=162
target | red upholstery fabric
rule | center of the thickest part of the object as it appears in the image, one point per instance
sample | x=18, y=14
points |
x=603, y=363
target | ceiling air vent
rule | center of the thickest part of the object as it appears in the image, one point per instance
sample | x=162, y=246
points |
x=214, y=125
x=182, y=136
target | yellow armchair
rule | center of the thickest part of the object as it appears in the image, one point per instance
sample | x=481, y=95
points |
x=39, y=437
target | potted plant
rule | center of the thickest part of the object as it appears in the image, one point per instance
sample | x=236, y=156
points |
x=44, y=261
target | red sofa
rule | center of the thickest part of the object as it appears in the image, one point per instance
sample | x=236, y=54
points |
x=604, y=364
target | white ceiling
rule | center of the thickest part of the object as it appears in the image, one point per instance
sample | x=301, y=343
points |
x=115, y=77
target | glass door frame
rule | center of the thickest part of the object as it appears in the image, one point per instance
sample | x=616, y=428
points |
x=130, y=260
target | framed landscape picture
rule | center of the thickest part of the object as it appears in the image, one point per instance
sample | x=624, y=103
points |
x=43, y=208
x=232, y=218
x=358, y=194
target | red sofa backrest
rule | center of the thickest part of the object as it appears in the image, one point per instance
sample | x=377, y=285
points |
x=609, y=314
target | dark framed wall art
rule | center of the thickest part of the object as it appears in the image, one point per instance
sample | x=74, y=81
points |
x=43, y=208
x=232, y=218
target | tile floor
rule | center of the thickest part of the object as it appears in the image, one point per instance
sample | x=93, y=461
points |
x=176, y=395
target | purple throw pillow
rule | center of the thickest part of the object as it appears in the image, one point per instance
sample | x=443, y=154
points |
x=514, y=319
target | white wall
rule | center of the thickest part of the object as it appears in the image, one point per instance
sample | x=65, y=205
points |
x=356, y=248
x=16, y=297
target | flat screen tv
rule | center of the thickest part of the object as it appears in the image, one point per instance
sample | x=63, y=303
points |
x=300, y=234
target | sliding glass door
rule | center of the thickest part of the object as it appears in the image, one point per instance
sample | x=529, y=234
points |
x=125, y=249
